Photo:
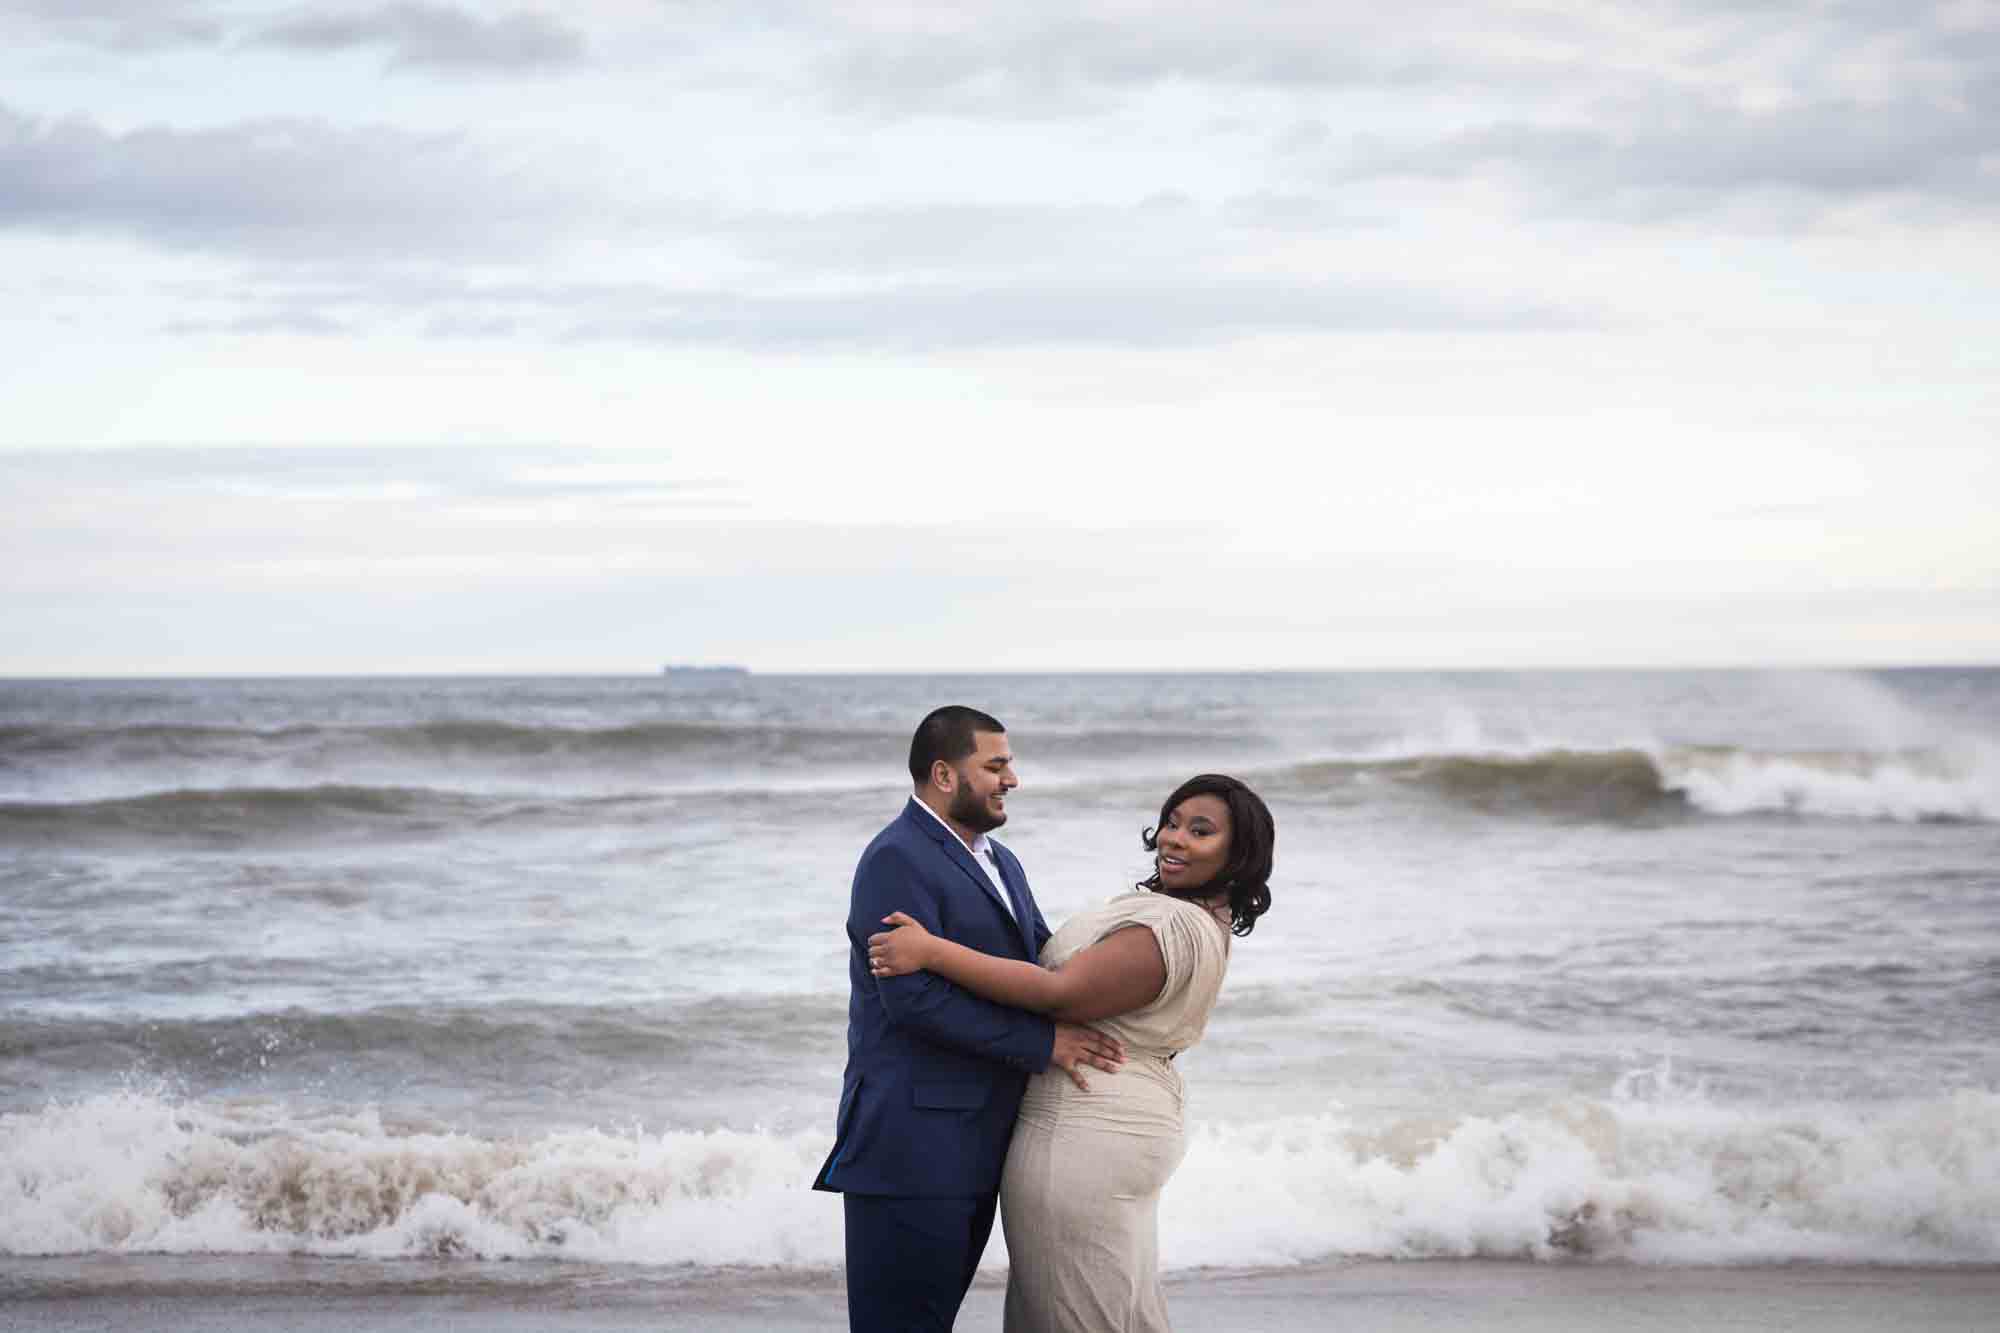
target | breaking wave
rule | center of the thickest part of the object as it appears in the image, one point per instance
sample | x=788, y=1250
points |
x=77, y=762
x=232, y=810
x=1652, y=1181
x=120, y=773
x=232, y=815
x=481, y=1049
x=1632, y=784
x=1906, y=785
x=490, y=740
x=418, y=739
x=1621, y=785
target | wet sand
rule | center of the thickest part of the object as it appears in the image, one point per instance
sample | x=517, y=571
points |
x=239, y=1295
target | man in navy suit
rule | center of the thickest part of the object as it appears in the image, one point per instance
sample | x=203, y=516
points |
x=934, y=1073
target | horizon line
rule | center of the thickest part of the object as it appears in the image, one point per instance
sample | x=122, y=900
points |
x=770, y=673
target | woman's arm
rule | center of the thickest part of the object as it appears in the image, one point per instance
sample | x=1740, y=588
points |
x=1121, y=972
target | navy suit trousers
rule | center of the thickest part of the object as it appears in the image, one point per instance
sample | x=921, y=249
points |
x=910, y=1260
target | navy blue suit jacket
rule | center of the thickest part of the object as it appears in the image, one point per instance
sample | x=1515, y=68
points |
x=934, y=1073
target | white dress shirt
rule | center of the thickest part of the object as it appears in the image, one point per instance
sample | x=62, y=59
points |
x=981, y=848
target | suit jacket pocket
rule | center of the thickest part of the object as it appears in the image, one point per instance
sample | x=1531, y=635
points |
x=949, y=1096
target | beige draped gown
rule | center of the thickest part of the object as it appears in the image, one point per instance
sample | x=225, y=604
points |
x=1080, y=1198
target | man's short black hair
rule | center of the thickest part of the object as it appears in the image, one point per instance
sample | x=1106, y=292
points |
x=947, y=734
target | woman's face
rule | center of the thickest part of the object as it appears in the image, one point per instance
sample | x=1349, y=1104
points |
x=1193, y=843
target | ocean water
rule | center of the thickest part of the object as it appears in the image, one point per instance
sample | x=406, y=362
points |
x=1673, y=967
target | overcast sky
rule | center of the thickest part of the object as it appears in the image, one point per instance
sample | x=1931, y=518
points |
x=433, y=336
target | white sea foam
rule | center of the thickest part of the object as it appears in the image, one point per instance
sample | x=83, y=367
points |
x=1652, y=1183
x=140, y=1173
x=1670, y=1180
x=1955, y=783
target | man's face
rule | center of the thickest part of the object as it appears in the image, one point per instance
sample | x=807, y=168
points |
x=984, y=778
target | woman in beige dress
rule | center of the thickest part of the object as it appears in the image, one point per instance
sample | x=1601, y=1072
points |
x=1080, y=1197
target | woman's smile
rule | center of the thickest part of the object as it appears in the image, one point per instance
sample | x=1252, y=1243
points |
x=1193, y=844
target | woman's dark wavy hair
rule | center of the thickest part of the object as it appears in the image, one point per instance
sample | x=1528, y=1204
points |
x=1253, y=835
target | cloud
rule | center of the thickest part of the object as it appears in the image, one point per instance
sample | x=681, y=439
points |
x=1162, y=232
x=1051, y=57
x=1783, y=109
x=779, y=226
x=1635, y=111
x=117, y=25
x=885, y=314
x=318, y=199
x=1036, y=59
x=305, y=323
x=411, y=33
x=360, y=473
x=434, y=35
x=1508, y=45
x=1160, y=312
x=1068, y=49
x=289, y=186
x=1700, y=157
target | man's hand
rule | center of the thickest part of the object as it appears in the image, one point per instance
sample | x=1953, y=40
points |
x=1077, y=1046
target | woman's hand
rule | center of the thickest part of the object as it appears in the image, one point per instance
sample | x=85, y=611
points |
x=903, y=948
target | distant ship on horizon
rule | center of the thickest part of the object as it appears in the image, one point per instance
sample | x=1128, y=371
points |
x=689, y=669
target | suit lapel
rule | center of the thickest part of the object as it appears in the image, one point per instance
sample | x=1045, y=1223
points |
x=1017, y=893
x=956, y=852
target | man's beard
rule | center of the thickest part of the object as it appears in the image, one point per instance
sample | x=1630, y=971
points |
x=969, y=809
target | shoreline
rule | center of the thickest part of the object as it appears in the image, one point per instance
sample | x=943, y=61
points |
x=238, y=1294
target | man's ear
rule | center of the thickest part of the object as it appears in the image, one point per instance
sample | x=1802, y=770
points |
x=943, y=776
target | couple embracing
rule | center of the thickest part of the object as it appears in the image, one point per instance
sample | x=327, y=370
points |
x=970, y=1030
